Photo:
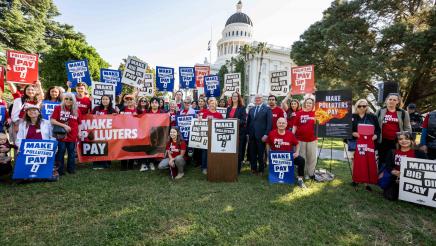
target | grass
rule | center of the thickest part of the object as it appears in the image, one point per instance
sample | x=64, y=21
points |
x=110, y=207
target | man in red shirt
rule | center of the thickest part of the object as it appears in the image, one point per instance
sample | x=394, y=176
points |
x=83, y=101
x=282, y=140
x=277, y=112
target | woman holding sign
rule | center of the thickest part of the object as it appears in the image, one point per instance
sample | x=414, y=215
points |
x=175, y=153
x=237, y=111
x=304, y=130
x=68, y=116
x=405, y=148
x=291, y=110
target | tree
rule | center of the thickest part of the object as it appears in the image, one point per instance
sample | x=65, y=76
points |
x=53, y=71
x=360, y=42
x=261, y=50
x=223, y=70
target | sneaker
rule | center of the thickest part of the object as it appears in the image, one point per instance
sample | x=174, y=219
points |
x=179, y=176
x=143, y=168
x=301, y=184
x=205, y=171
x=368, y=188
x=152, y=168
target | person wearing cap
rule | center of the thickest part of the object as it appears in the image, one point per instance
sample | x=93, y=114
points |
x=415, y=118
x=130, y=105
x=186, y=108
x=33, y=126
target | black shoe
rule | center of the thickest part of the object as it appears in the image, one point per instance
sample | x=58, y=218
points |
x=368, y=188
x=72, y=172
x=354, y=184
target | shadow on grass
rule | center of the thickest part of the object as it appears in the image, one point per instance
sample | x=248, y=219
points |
x=133, y=208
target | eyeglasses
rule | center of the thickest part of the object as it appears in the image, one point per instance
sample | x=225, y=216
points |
x=362, y=106
x=143, y=101
x=68, y=99
x=187, y=102
x=271, y=99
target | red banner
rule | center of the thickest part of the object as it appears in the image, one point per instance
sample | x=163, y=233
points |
x=303, y=79
x=24, y=67
x=122, y=137
x=2, y=78
x=200, y=72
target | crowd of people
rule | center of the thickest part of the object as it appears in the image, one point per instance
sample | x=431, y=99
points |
x=288, y=125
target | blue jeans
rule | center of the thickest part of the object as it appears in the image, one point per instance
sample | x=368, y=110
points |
x=70, y=148
x=203, y=159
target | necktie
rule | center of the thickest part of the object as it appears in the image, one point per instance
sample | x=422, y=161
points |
x=256, y=110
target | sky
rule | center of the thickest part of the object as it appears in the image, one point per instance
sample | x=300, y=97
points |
x=176, y=33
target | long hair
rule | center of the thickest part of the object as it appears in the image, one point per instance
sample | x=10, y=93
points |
x=28, y=120
x=298, y=105
x=26, y=98
x=368, y=109
x=138, y=105
x=240, y=100
x=74, y=108
x=179, y=135
x=307, y=99
x=110, y=107
x=47, y=94
x=205, y=103
x=408, y=136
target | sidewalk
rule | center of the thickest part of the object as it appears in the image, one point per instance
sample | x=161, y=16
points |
x=337, y=154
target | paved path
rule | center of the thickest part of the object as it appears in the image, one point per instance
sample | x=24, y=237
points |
x=337, y=154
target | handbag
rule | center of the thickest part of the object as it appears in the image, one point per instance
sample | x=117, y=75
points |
x=59, y=132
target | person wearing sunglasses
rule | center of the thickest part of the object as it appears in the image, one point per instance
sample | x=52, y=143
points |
x=392, y=119
x=129, y=107
x=362, y=114
x=143, y=106
x=187, y=109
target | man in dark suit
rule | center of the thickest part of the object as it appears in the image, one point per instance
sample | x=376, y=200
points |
x=259, y=124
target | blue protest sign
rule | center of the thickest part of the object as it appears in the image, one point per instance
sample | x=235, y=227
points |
x=281, y=167
x=212, y=86
x=113, y=77
x=2, y=116
x=47, y=109
x=186, y=78
x=184, y=124
x=165, y=78
x=78, y=71
x=35, y=159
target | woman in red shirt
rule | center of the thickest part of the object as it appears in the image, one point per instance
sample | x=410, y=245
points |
x=236, y=110
x=291, y=110
x=202, y=106
x=142, y=106
x=67, y=115
x=173, y=112
x=304, y=130
x=405, y=148
x=175, y=153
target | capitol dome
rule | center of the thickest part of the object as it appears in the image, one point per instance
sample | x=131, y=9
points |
x=239, y=17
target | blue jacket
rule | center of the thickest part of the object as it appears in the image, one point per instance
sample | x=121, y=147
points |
x=260, y=125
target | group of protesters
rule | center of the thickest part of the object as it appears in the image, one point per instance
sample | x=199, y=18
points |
x=288, y=125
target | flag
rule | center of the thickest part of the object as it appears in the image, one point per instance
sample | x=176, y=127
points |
x=208, y=45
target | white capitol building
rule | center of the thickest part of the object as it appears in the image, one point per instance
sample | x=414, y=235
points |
x=237, y=32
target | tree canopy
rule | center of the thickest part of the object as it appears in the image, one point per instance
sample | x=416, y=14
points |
x=360, y=42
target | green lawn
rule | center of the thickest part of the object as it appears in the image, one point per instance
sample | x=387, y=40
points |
x=334, y=143
x=131, y=208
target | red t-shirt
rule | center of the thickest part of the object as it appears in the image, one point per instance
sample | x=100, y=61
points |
x=16, y=94
x=305, y=122
x=128, y=111
x=84, y=105
x=390, y=126
x=69, y=119
x=216, y=115
x=100, y=111
x=277, y=113
x=173, y=119
x=232, y=113
x=291, y=117
x=33, y=132
x=175, y=149
x=285, y=142
x=179, y=105
x=201, y=112
x=399, y=154
x=425, y=123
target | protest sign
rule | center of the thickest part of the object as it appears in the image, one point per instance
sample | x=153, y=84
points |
x=200, y=72
x=2, y=78
x=134, y=71
x=212, y=86
x=100, y=89
x=222, y=111
x=224, y=136
x=232, y=83
x=145, y=87
x=164, y=79
x=112, y=77
x=77, y=71
x=122, y=137
x=333, y=113
x=186, y=78
x=418, y=181
x=198, y=134
x=2, y=116
x=279, y=82
x=303, y=80
x=281, y=167
x=35, y=159
x=24, y=67
x=47, y=108
x=184, y=124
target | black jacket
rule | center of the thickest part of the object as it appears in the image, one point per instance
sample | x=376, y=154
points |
x=241, y=115
x=370, y=119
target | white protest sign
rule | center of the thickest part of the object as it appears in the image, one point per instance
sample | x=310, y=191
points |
x=145, y=86
x=100, y=89
x=224, y=136
x=232, y=83
x=134, y=72
x=280, y=82
x=418, y=181
x=222, y=111
x=198, y=134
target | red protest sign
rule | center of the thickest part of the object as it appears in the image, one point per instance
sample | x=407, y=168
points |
x=23, y=67
x=200, y=72
x=2, y=78
x=303, y=79
x=122, y=137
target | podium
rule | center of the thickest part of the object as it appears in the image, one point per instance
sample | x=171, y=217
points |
x=222, y=151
